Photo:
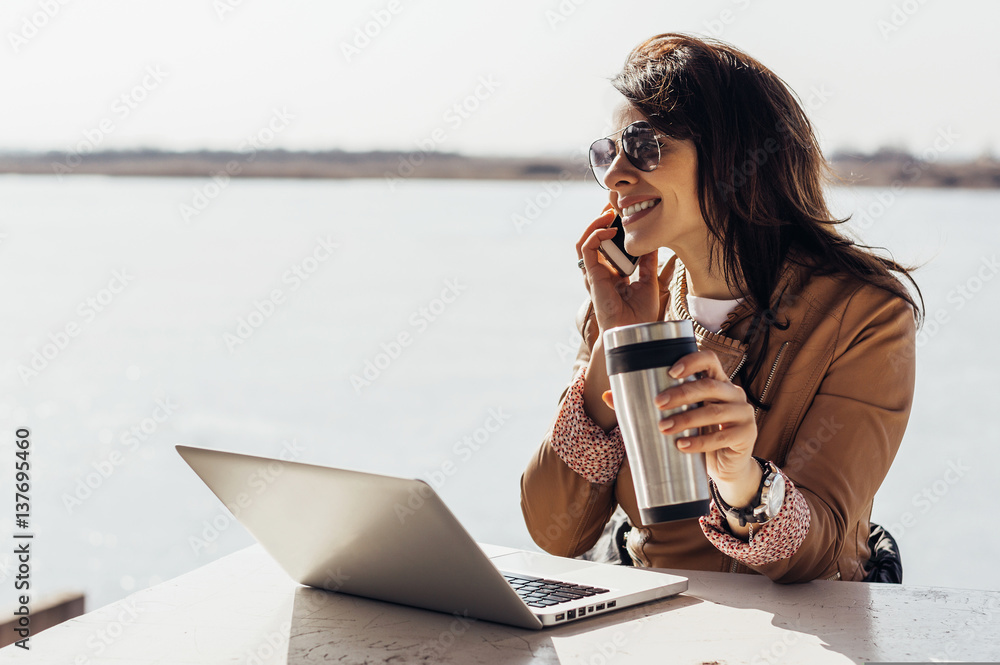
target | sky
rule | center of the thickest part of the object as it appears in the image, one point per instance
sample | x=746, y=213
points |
x=522, y=77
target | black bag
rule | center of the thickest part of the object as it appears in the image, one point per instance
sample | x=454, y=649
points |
x=885, y=565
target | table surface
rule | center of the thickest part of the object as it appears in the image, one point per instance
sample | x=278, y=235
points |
x=243, y=608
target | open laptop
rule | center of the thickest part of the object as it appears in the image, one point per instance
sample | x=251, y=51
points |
x=393, y=539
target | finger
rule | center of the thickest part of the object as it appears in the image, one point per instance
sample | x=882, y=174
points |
x=700, y=390
x=608, y=398
x=736, y=437
x=699, y=361
x=726, y=414
x=600, y=223
x=588, y=250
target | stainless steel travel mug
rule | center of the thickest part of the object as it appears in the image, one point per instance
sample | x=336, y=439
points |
x=669, y=485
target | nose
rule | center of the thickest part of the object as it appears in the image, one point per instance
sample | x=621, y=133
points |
x=621, y=171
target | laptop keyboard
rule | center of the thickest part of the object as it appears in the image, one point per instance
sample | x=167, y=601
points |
x=537, y=592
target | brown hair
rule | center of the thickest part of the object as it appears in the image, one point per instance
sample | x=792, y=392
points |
x=760, y=171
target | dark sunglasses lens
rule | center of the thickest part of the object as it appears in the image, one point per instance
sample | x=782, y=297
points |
x=640, y=146
x=602, y=153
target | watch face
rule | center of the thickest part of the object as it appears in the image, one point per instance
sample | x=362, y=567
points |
x=776, y=495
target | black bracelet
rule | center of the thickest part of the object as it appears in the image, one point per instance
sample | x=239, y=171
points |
x=725, y=508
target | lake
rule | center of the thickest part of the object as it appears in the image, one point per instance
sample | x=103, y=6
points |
x=355, y=324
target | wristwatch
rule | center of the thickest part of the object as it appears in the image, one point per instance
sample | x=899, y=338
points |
x=766, y=502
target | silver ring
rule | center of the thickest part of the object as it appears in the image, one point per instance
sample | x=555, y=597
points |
x=580, y=263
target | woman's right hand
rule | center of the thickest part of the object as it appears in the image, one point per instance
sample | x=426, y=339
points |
x=617, y=300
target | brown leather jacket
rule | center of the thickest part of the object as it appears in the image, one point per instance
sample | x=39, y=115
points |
x=840, y=383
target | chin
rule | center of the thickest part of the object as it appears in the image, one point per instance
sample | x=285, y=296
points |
x=637, y=244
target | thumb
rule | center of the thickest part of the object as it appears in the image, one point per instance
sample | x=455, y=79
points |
x=608, y=398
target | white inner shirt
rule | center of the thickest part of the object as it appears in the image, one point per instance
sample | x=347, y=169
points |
x=709, y=312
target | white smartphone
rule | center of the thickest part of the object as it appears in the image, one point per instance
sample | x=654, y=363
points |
x=613, y=250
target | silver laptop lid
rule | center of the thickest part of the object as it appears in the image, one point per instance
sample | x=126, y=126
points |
x=375, y=536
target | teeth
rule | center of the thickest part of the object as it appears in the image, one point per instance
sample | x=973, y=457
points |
x=631, y=210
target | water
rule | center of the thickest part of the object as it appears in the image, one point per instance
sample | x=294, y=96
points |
x=461, y=313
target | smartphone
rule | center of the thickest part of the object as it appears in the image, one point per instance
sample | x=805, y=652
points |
x=613, y=250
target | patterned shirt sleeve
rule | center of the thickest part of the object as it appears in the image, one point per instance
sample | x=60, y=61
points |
x=777, y=539
x=583, y=444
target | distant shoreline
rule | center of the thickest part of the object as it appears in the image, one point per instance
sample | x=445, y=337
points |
x=881, y=169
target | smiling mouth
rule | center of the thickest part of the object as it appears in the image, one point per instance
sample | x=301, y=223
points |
x=632, y=209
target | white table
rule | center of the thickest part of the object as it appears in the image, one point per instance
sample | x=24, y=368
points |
x=244, y=609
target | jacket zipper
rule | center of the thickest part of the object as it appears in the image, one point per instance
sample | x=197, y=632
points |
x=770, y=376
x=732, y=569
x=739, y=367
x=767, y=385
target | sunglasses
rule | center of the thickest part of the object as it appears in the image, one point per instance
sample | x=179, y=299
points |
x=639, y=143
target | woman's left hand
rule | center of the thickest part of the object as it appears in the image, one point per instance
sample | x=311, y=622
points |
x=728, y=450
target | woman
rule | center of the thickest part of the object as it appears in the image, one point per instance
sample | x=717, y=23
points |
x=806, y=339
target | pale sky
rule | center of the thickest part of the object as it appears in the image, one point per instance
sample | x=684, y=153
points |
x=527, y=76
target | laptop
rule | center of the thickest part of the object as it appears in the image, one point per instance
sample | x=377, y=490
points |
x=393, y=539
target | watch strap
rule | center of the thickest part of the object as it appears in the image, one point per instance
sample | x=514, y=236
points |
x=749, y=513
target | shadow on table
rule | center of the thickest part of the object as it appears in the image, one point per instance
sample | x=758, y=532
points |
x=333, y=627
x=838, y=614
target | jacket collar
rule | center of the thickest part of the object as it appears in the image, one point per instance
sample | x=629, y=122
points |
x=726, y=344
